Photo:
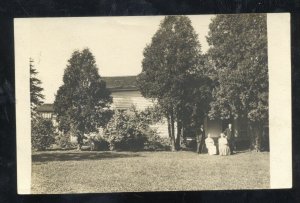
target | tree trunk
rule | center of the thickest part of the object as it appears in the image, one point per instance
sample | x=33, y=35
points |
x=79, y=147
x=172, y=130
x=179, y=134
x=255, y=136
x=169, y=126
x=79, y=141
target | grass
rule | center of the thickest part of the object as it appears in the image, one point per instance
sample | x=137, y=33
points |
x=83, y=172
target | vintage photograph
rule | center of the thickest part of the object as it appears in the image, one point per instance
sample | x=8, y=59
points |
x=148, y=103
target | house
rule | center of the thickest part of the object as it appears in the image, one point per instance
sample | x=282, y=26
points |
x=125, y=94
x=46, y=111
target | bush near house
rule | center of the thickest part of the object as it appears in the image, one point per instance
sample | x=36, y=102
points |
x=151, y=142
x=126, y=131
x=42, y=133
x=129, y=130
x=99, y=144
x=97, y=141
x=63, y=141
x=156, y=143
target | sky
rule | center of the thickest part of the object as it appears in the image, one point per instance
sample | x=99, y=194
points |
x=116, y=42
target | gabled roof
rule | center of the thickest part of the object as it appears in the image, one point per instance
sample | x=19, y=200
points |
x=114, y=84
x=45, y=108
x=121, y=83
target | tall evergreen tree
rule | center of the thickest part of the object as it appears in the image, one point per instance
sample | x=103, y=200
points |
x=36, y=96
x=42, y=130
x=239, y=55
x=171, y=72
x=82, y=102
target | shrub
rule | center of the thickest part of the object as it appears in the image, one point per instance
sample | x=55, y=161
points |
x=130, y=130
x=98, y=142
x=63, y=141
x=156, y=143
x=152, y=114
x=42, y=133
x=126, y=130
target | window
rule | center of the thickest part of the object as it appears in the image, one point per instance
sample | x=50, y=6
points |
x=47, y=115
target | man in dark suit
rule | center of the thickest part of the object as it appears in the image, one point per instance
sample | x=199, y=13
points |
x=200, y=136
x=229, y=133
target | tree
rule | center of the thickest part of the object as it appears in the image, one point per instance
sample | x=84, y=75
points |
x=239, y=54
x=36, y=96
x=82, y=102
x=171, y=67
x=42, y=133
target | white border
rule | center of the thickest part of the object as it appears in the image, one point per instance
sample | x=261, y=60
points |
x=280, y=125
x=23, y=124
x=280, y=114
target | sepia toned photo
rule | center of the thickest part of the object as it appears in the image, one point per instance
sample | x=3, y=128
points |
x=151, y=103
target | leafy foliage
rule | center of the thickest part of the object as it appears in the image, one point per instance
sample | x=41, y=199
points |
x=152, y=114
x=42, y=130
x=155, y=142
x=63, y=141
x=127, y=130
x=239, y=55
x=36, y=96
x=82, y=102
x=97, y=141
x=172, y=69
x=42, y=133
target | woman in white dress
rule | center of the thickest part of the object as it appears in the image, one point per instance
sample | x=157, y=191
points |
x=210, y=145
x=223, y=146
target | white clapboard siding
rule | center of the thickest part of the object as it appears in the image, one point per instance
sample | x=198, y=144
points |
x=125, y=99
x=161, y=128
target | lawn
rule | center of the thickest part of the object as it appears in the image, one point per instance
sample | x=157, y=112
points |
x=73, y=171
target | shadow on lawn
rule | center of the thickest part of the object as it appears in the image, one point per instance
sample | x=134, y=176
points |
x=79, y=156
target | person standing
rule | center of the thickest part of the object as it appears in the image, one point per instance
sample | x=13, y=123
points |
x=200, y=136
x=229, y=133
x=223, y=146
